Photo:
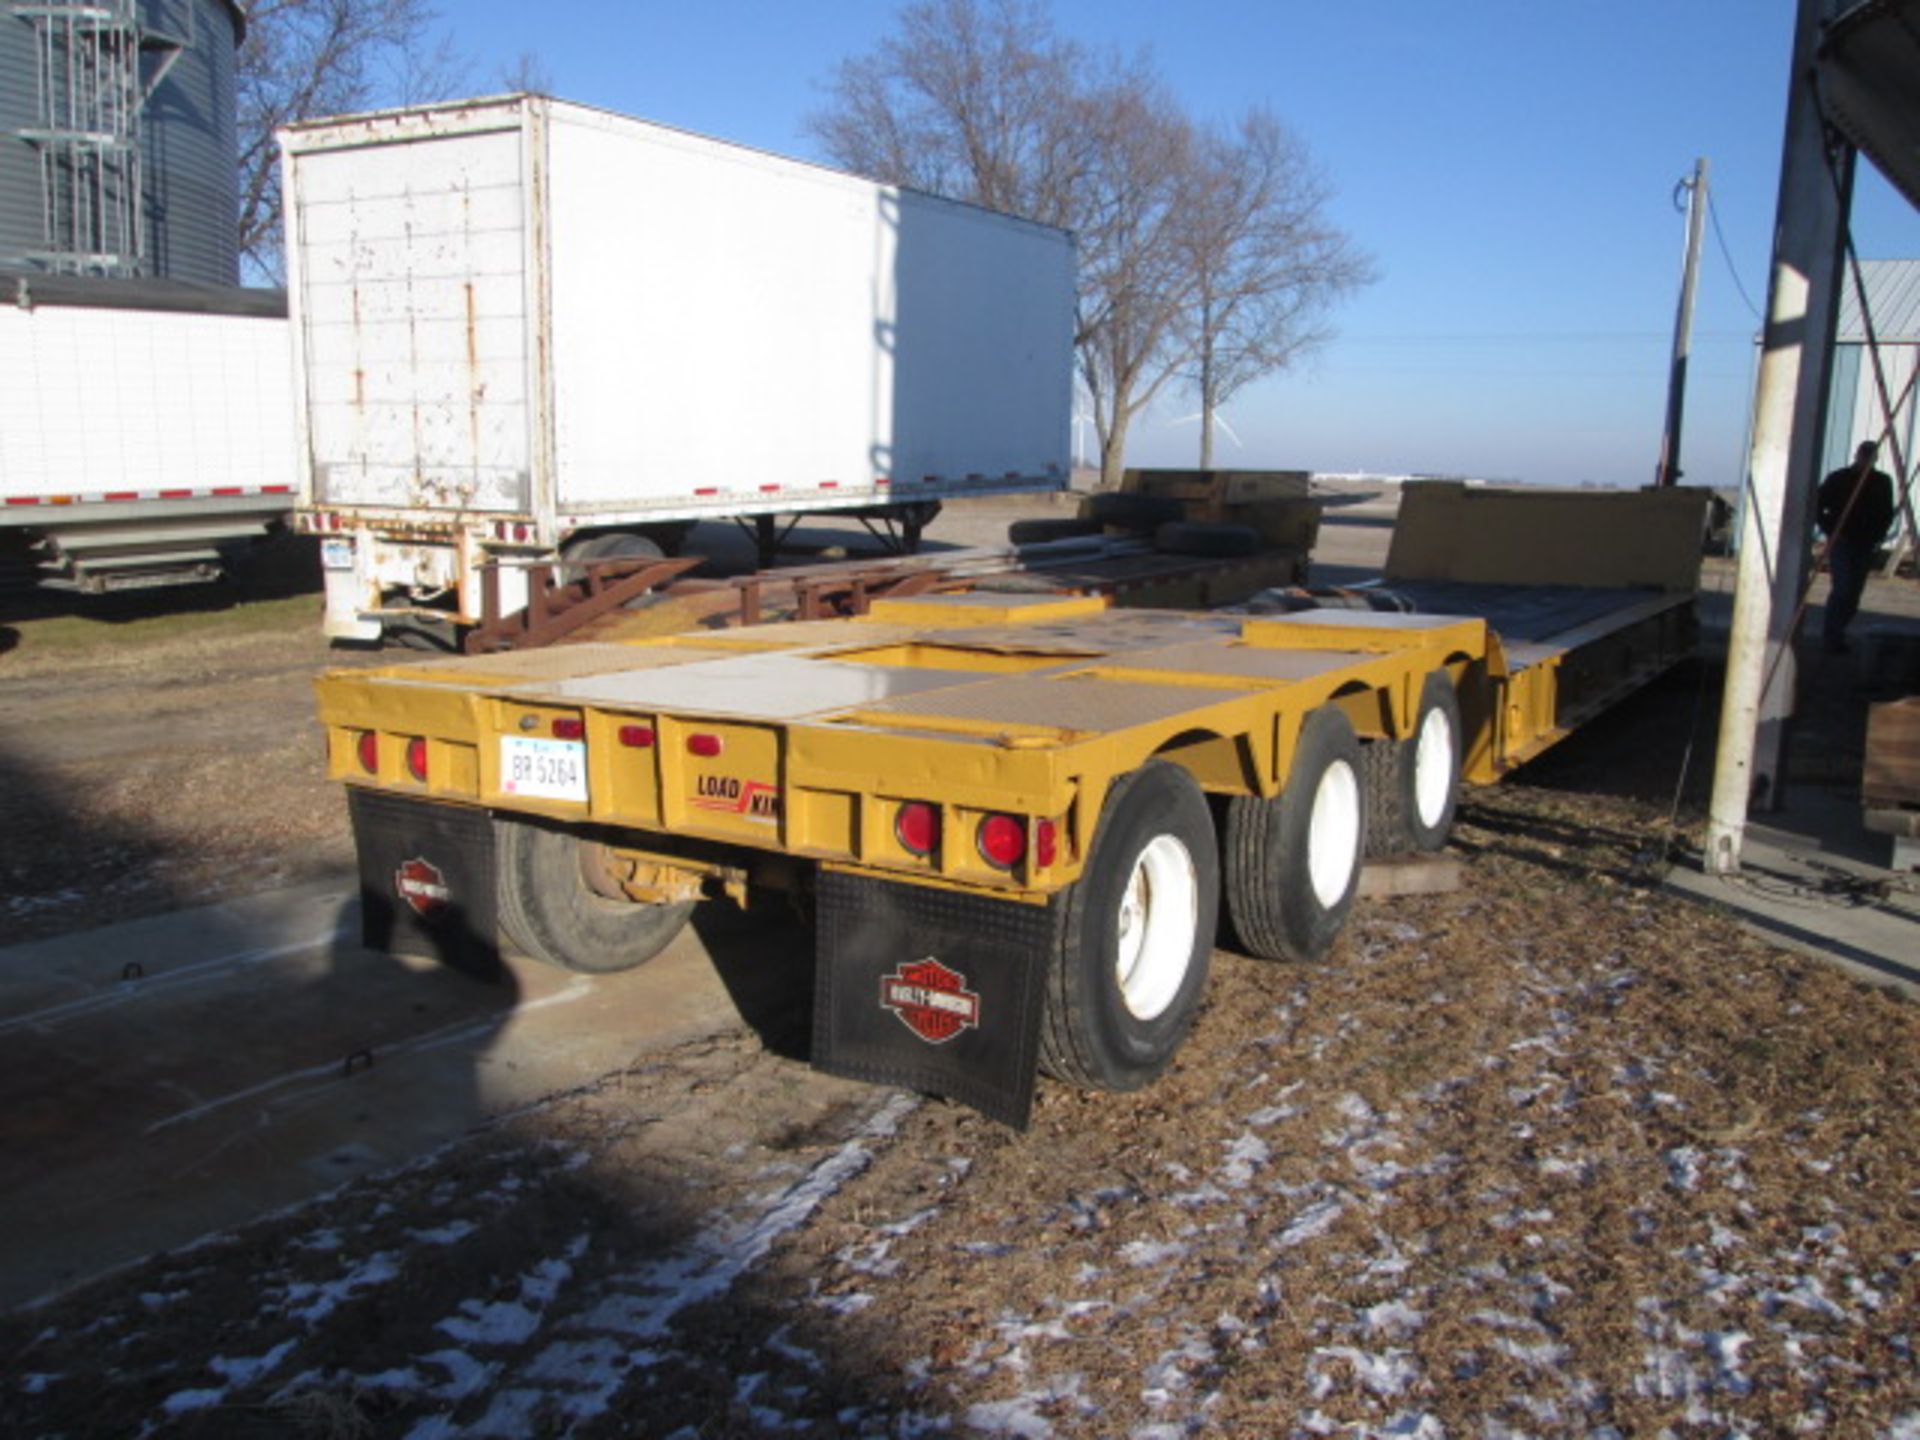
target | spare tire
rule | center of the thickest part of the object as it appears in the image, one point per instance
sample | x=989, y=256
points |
x=552, y=913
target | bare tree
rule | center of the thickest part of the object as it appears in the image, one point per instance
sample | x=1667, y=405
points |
x=307, y=58
x=1265, y=265
x=527, y=75
x=982, y=100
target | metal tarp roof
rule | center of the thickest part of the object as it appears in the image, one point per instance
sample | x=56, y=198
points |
x=1893, y=302
x=1868, y=60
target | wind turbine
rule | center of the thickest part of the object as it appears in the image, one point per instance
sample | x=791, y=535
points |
x=1206, y=450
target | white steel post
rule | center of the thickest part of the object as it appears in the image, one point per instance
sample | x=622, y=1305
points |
x=1789, y=404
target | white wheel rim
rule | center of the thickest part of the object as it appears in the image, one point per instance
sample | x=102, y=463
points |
x=1159, y=912
x=1433, y=767
x=1333, y=833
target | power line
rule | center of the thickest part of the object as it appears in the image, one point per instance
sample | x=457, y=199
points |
x=1713, y=214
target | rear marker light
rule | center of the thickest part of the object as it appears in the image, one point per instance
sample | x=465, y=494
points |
x=1046, y=843
x=637, y=737
x=1002, y=840
x=520, y=532
x=417, y=759
x=706, y=746
x=569, y=727
x=917, y=827
x=369, y=748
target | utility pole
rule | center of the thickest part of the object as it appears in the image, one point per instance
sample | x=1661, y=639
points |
x=1668, y=471
x=1783, y=461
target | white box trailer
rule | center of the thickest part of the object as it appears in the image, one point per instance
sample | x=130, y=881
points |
x=522, y=325
x=146, y=428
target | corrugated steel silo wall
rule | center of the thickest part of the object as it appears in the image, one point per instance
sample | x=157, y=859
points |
x=19, y=162
x=188, y=142
x=190, y=148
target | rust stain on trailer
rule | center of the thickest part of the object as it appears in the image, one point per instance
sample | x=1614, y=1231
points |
x=476, y=389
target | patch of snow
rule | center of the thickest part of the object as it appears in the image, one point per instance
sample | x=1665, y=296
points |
x=513, y=1322
x=1544, y=1356
x=182, y=1402
x=1272, y=1115
x=1152, y=1252
x=449, y=1234
x=310, y=1303
x=780, y=1342
x=26, y=904
x=249, y=1368
x=1208, y=1194
x=1394, y=1319
x=1310, y=1224
x=1020, y=1417
x=1386, y=1374
x=1809, y=1294
x=1683, y=1168
x=1166, y=1377
x=1244, y=1156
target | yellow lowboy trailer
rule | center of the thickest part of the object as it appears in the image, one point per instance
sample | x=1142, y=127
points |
x=1021, y=816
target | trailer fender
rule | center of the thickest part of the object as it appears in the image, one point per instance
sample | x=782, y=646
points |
x=426, y=880
x=930, y=989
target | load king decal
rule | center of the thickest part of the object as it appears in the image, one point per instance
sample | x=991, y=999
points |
x=755, y=799
x=931, y=1000
x=420, y=883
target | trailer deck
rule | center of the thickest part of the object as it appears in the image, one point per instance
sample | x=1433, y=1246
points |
x=1003, y=798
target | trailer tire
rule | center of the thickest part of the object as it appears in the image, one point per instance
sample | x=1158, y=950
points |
x=1205, y=538
x=1293, y=862
x=1126, y=977
x=1429, y=786
x=1039, y=529
x=550, y=912
x=1381, y=765
x=611, y=545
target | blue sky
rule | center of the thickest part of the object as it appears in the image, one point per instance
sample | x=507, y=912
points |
x=1510, y=166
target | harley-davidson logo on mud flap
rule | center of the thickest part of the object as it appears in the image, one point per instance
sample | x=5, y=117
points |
x=420, y=883
x=754, y=799
x=931, y=1000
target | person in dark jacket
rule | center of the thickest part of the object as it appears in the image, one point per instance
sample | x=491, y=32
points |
x=1854, y=509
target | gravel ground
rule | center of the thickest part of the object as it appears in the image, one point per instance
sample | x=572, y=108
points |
x=1557, y=1153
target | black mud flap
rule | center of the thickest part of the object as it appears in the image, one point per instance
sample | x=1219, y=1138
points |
x=932, y=990
x=426, y=880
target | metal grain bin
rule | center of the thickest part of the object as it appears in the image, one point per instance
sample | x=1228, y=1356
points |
x=117, y=138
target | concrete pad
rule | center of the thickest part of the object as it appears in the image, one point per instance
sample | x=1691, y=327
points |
x=1813, y=879
x=181, y=1074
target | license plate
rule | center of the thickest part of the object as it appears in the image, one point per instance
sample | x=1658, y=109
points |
x=336, y=554
x=548, y=769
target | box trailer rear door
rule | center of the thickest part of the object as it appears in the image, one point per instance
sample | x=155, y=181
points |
x=413, y=299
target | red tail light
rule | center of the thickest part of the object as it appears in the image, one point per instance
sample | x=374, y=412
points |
x=1046, y=843
x=1002, y=840
x=569, y=727
x=417, y=759
x=369, y=748
x=637, y=737
x=917, y=827
x=704, y=745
